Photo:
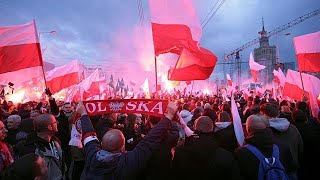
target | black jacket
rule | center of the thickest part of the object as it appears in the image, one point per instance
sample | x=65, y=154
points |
x=101, y=164
x=202, y=158
x=226, y=138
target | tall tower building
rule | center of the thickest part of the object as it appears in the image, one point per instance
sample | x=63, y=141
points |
x=265, y=55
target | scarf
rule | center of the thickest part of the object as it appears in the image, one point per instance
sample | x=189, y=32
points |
x=5, y=154
x=76, y=132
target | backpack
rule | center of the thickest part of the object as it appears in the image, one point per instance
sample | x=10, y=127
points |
x=269, y=168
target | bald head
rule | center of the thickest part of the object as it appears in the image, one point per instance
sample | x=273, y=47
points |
x=255, y=122
x=113, y=141
x=42, y=121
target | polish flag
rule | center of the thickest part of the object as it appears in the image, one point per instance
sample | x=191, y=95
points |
x=63, y=76
x=176, y=29
x=308, y=52
x=255, y=68
x=90, y=86
x=279, y=77
x=20, y=53
x=229, y=80
x=237, y=122
x=293, y=88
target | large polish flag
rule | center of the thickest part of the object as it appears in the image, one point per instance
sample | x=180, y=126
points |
x=293, y=88
x=63, y=76
x=279, y=77
x=255, y=68
x=308, y=52
x=176, y=29
x=20, y=54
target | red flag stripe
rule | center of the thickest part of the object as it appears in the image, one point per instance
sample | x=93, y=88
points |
x=254, y=75
x=16, y=57
x=193, y=72
x=309, y=62
x=61, y=82
x=293, y=91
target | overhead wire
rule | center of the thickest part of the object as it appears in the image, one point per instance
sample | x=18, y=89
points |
x=212, y=12
x=140, y=11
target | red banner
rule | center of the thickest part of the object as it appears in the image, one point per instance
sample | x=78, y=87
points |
x=154, y=107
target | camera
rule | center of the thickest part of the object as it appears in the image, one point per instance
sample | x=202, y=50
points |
x=10, y=84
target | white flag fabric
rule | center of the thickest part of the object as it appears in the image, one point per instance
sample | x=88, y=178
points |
x=145, y=88
x=237, y=122
x=255, y=68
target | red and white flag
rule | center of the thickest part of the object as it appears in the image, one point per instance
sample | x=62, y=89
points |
x=308, y=52
x=176, y=29
x=255, y=68
x=20, y=54
x=90, y=86
x=293, y=88
x=63, y=76
x=279, y=77
x=229, y=80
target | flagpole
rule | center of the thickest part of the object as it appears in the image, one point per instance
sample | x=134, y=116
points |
x=40, y=53
x=309, y=105
x=192, y=86
x=156, y=72
x=302, y=83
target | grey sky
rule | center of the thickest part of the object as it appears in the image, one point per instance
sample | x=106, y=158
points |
x=107, y=32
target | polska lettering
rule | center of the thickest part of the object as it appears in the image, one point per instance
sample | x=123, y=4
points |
x=153, y=107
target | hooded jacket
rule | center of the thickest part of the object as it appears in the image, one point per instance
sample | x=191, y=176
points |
x=288, y=134
x=186, y=116
x=225, y=136
x=263, y=140
x=50, y=151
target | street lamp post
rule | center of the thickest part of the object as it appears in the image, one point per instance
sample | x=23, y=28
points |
x=43, y=50
x=45, y=32
x=278, y=48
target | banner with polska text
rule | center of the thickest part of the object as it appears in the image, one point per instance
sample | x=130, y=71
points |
x=154, y=107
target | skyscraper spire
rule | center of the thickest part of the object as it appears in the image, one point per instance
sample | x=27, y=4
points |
x=263, y=24
x=263, y=32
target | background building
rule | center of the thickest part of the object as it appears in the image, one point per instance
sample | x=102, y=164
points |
x=265, y=55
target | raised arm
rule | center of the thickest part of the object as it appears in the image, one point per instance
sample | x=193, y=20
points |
x=138, y=157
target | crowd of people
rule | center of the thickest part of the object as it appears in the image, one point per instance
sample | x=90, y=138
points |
x=199, y=143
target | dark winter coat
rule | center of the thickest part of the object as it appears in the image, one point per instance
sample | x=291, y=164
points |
x=101, y=164
x=202, y=158
x=263, y=140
